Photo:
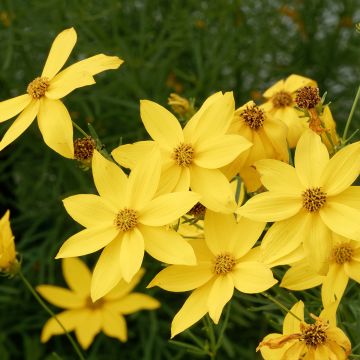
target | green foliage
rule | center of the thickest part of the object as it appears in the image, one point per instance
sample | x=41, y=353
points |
x=191, y=47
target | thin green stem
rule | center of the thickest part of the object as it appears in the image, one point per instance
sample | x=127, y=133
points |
x=47, y=309
x=223, y=327
x=80, y=129
x=211, y=334
x=348, y=122
x=278, y=303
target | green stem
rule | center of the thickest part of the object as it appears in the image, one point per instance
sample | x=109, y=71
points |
x=278, y=303
x=80, y=129
x=223, y=327
x=47, y=309
x=348, y=122
x=211, y=334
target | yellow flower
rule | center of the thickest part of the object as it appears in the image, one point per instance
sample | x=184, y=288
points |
x=281, y=101
x=88, y=318
x=44, y=94
x=127, y=219
x=300, y=340
x=344, y=263
x=309, y=201
x=7, y=246
x=269, y=142
x=191, y=157
x=223, y=263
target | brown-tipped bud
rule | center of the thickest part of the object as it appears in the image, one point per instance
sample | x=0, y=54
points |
x=198, y=210
x=84, y=149
x=307, y=97
x=179, y=104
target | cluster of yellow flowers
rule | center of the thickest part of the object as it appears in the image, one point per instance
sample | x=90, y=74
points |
x=181, y=205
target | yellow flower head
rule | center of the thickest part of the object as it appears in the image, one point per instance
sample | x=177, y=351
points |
x=88, y=318
x=320, y=339
x=44, y=94
x=224, y=261
x=7, y=246
x=126, y=219
x=269, y=142
x=309, y=201
x=191, y=157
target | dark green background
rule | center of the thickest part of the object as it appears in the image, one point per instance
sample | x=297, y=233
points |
x=193, y=47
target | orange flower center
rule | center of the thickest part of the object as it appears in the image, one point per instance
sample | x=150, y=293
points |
x=126, y=219
x=342, y=253
x=314, y=334
x=307, y=97
x=253, y=117
x=84, y=148
x=282, y=99
x=37, y=88
x=224, y=263
x=313, y=199
x=183, y=155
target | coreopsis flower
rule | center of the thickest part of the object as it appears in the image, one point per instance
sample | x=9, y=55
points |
x=269, y=142
x=222, y=264
x=308, y=202
x=281, y=104
x=321, y=339
x=344, y=263
x=191, y=157
x=8, y=260
x=88, y=318
x=44, y=93
x=126, y=219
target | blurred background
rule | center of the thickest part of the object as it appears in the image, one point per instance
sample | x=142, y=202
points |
x=190, y=47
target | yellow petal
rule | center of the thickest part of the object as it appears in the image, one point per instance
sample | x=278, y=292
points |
x=293, y=257
x=271, y=206
x=10, y=108
x=221, y=292
x=132, y=303
x=278, y=176
x=291, y=324
x=352, y=269
x=107, y=272
x=87, y=329
x=161, y=124
x=296, y=351
x=311, y=157
x=59, y=52
x=194, y=308
x=77, y=276
x=349, y=197
x=341, y=219
x=318, y=244
x=110, y=180
x=131, y=254
x=114, y=325
x=273, y=354
x=167, y=208
x=342, y=170
x=82, y=208
x=337, y=335
x=271, y=91
x=67, y=81
x=131, y=154
x=252, y=277
x=285, y=236
x=296, y=124
x=56, y=127
x=214, y=188
x=87, y=241
x=144, y=180
x=173, y=179
x=178, y=278
x=218, y=151
x=295, y=82
x=167, y=246
x=69, y=319
x=301, y=277
x=61, y=297
x=201, y=250
x=334, y=284
x=22, y=122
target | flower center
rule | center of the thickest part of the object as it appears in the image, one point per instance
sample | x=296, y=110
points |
x=313, y=199
x=224, y=263
x=94, y=305
x=198, y=210
x=314, y=334
x=37, y=88
x=126, y=219
x=183, y=155
x=342, y=253
x=307, y=97
x=282, y=99
x=253, y=117
x=84, y=148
